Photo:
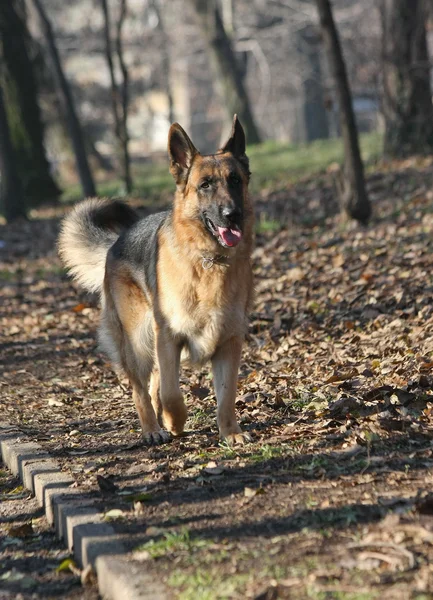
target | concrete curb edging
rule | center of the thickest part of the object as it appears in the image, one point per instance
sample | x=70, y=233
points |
x=76, y=521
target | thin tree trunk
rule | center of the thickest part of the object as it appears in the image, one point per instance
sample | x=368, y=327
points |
x=316, y=125
x=353, y=193
x=234, y=94
x=11, y=191
x=74, y=126
x=166, y=61
x=408, y=106
x=124, y=98
x=119, y=94
x=103, y=162
x=21, y=104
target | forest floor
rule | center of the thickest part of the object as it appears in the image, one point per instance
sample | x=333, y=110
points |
x=334, y=497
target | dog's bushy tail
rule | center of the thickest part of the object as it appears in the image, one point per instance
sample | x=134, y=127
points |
x=87, y=234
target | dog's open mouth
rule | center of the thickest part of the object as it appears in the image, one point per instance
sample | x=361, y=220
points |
x=231, y=236
x=226, y=236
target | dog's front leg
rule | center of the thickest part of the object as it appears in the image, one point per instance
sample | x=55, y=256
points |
x=225, y=367
x=173, y=407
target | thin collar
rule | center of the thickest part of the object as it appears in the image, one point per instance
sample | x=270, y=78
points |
x=209, y=261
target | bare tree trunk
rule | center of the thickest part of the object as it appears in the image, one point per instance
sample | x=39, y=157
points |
x=20, y=93
x=315, y=115
x=103, y=162
x=11, y=191
x=407, y=95
x=166, y=62
x=353, y=193
x=235, y=97
x=119, y=94
x=73, y=122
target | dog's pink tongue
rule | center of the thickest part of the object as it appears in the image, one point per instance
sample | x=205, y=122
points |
x=231, y=237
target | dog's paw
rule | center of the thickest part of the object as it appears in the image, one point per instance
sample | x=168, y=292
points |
x=240, y=438
x=154, y=438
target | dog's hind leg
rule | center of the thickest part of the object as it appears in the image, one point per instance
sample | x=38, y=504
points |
x=127, y=326
x=139, y=359
x=139, y=364
x=152, y=432
x=173, y=407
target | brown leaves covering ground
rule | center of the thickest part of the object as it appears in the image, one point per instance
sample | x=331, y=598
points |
x=332, y=499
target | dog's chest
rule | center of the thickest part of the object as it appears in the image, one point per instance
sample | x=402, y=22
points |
x=203, y=319
x=200, y=326
x=201, y=343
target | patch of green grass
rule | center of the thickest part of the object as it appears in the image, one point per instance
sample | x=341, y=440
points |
x=224, y=452
x=7, y=275
x=273, y=164
x=264, y=224
x=173, y=542
x=206, y=584
x=257, y=455
x=267, y=452
x=210, y=576
x=229, y=452
x=301, y=398
x=210, y=580
x=299, y=404
x=317, y=462
x=276, y=163
x=198, y=418
x=42, y=272
x=340, y=595
x=150, y=182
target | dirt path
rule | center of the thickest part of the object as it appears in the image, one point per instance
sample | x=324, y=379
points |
x=332, y=500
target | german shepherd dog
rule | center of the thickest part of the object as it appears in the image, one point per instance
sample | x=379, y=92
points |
x=175, y=285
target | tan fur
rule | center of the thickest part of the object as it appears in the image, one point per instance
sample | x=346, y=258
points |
x=208, y=307
x=196, y=314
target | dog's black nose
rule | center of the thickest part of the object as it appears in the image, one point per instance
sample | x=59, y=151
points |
x=230, y=212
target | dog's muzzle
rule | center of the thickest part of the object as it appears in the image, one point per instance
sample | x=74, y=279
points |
x=226, y=230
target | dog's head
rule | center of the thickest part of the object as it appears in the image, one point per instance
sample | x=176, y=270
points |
x=212, y=189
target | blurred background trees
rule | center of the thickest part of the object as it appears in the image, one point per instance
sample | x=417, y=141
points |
x=91, y=87
x=352, y=190
x=119, y=91
x=228, y=76
x=407, y=98
x=13, y=202
x=66, y=101
x=18, y=79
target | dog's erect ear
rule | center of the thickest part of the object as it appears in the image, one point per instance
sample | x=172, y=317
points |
x=236, y=142
x=181, y=152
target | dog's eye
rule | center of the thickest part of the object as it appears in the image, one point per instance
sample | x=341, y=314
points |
x=205, y=184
